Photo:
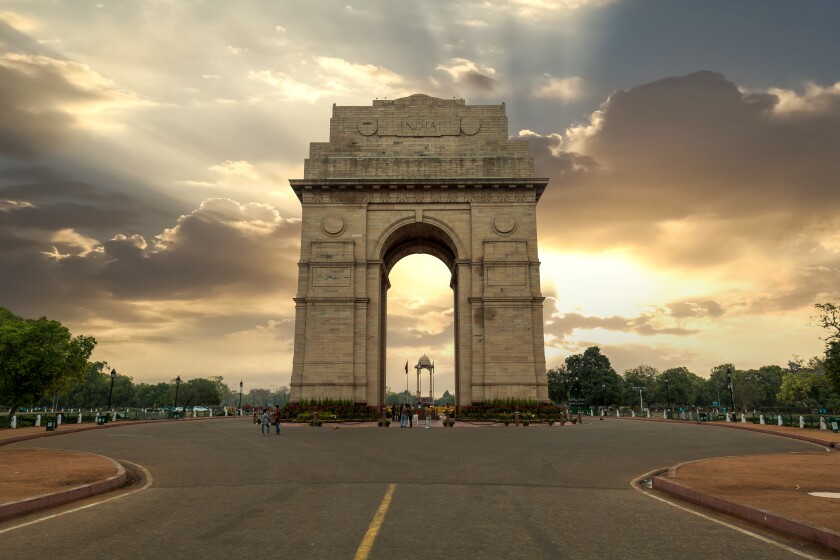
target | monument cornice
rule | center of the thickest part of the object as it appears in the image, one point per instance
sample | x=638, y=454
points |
x=366, y=189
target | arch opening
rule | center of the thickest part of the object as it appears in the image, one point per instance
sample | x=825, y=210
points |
x=405, y=242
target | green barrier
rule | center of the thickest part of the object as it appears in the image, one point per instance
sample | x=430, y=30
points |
x=835, y=424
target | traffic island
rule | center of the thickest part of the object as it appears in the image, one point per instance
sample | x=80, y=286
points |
x=35, y=479
x=770, y=490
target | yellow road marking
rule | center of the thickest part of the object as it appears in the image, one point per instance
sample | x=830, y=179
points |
x=367, y=543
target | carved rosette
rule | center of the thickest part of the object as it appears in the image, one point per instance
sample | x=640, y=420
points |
x=504, y=224
x=333, y=225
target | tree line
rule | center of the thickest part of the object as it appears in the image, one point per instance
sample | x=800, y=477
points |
x=590, y=379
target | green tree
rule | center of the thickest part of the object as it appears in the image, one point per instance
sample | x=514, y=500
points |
x=446, y=399
x=199, y=391
x=592, y=378
x=684, y=387
x=640, y=376
x=158, y=395
x=828, y=318
x=832, y=365
x=805, y=389
x=559, y=384
x=37, y=357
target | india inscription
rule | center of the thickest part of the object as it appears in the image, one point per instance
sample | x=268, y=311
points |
x=419, y=175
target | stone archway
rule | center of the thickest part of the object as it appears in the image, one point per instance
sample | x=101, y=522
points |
x=418, y=175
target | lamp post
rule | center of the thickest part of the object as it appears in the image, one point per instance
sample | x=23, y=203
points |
x=731, y=396
x=111, y=392
x=240, y=398
x=667, y=395
x=603, y=394
x=177, y=384
x=641, y=402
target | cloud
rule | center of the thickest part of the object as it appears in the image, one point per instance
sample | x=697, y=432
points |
x=45, y=98
x=564, y=89
x=334, y=79
x=693, y=166
x=220, y=250
x=467, y=73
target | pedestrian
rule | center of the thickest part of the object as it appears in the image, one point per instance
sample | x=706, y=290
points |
x=265, y=429
x=429, y=410
x=277, y=420
x=256, y=420
x=403, y=420
x=410, y=416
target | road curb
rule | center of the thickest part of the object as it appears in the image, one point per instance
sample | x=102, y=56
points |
x=821, y=535
x=29, y=505
x=736, y=426
x=85, y=428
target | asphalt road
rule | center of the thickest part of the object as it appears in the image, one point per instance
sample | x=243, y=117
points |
x=221, y=490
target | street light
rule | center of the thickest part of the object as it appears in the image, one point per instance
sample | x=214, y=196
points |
x=641, y=402
x=240, y=398
x=731, y=396
x=667, y=395
x=603, y=394
x=111, y=392
x=177, y=384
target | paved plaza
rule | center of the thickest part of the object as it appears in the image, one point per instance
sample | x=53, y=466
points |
x=221, y=490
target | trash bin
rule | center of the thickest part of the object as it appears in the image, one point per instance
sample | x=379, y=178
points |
x=176, y=415
x=835, y=424
x=704, y=417
x=101, y=420
x=50, y=424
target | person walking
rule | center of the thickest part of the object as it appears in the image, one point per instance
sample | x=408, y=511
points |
x=410, y=416
x=429, y=410
x=265, y=429
x=277, y=420
x=403, y=422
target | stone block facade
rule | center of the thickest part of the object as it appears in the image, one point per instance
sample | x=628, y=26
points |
x=419, y=175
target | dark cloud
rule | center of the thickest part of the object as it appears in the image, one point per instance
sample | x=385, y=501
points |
x=561, y=325
x=41, y=197
x=693, y=173
x=682, y=309
x=695, y=146
x=478, y=81
x=220, y=249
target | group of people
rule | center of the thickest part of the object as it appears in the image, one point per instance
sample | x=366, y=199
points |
x=405, y=414
x=268, y=418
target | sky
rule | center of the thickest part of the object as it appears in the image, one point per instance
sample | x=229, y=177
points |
x=691, y=218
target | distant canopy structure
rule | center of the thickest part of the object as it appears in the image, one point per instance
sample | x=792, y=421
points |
x=425, y=363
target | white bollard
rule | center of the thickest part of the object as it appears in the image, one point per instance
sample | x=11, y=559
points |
x=617, y=414
x=193, y=413
x=728, y=417
x=823, y=425
x=13, y=422
x=781, y=422
x=38, y=421
x=691, y=416
x=632, y=413
x=682, y=415
x=58, y=420
x=761, y=419
x=225, y=411
x=743, y=418
x=802, y=422
x=114, y=416
x=79, y=419
x=664, y=414
x=647, y=412
x=211, y=413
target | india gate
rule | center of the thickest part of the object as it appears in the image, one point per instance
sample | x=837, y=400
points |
x=419, y=175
